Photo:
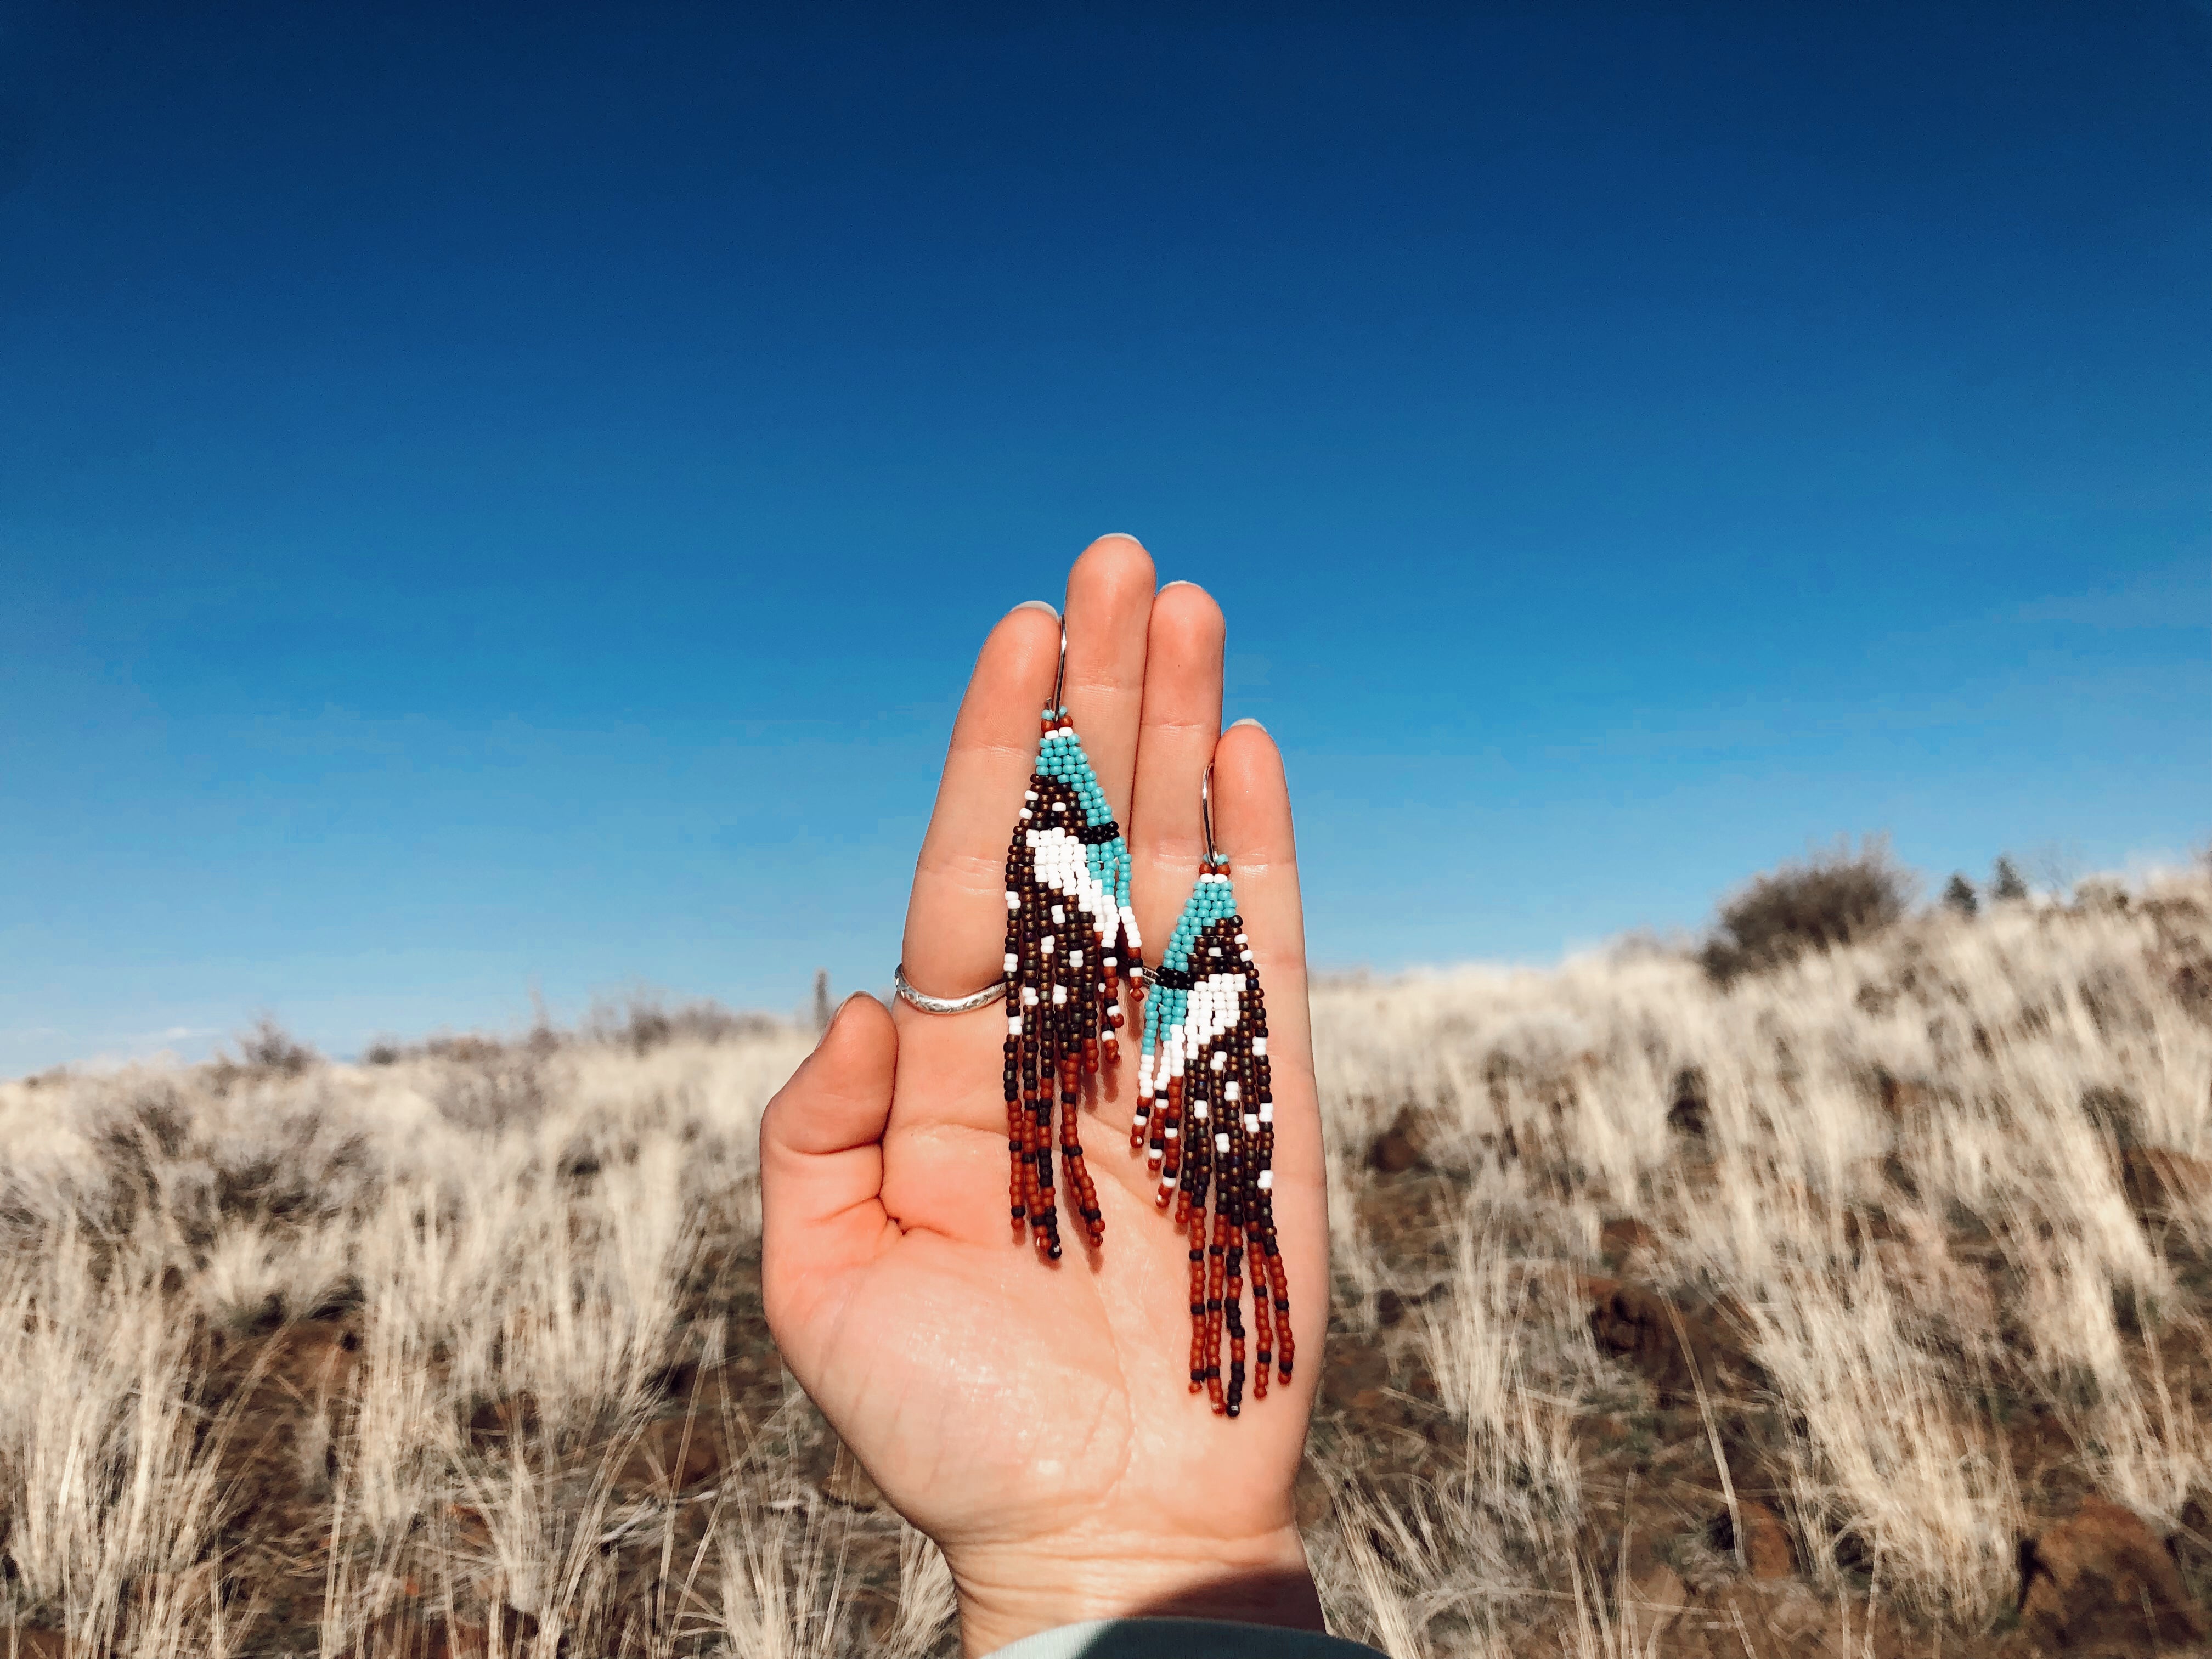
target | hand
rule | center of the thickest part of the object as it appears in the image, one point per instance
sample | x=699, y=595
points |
x=1036, y=1419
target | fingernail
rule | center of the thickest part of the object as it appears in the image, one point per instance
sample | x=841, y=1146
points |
x=1179, y=581
x=853, y=997
x=1039, y=605
x=1248, y=720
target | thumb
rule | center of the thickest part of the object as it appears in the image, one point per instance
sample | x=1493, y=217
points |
x=821, y=1161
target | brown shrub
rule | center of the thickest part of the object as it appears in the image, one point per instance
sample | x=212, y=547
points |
x=1831, y=898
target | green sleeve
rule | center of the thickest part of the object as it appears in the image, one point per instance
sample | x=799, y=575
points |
x=1180, y=1638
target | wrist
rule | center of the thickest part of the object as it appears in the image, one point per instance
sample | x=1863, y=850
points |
x=1011, y=1590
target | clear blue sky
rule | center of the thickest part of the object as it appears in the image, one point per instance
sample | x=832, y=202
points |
x=507, y=497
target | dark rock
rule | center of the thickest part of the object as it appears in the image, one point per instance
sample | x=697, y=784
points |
x=1689, y=1112
x=2161, y=1185
x=1903, y=1097
x=1400, y=1147
x=1763, y=1539
x=1677, y=1349
x=1393, y=1308
x=497, y=1421
x=2102, y=1582
x=1622, y=1236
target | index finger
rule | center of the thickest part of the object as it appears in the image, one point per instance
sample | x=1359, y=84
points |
x=956, y=918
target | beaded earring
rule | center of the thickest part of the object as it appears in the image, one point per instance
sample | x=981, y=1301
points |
x=1204, y=1096
x=1068, y=922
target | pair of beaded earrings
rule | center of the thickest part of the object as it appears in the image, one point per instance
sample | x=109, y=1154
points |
x=1205, y=1111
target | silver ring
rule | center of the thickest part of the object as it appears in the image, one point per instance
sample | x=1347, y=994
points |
x=930, y=1004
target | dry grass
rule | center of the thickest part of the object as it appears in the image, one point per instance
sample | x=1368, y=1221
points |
x=1897, y=1174
x=310, y=1358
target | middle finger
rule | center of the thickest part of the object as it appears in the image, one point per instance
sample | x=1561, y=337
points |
x=1181, y=722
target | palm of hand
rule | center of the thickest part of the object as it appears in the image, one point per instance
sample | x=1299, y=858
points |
x=1007, y=1408
x=1029, y=1400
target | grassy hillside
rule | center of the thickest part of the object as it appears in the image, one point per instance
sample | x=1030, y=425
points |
x=1669, y=1317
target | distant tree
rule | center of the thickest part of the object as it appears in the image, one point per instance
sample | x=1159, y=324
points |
x=2007, y=885
x=1830, y=899
x=1959, y=893
x=270, y=1047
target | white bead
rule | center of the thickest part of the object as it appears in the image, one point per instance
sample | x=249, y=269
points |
x=1198, y=1109
x=1075, y=959
x=1013, y=900
x=1266, y=1181
x=1221, y=1141
x=1012, y=963
x=1171, y=1132
x=1058, y=915
x=1220, y=1059
x=1235, y=1090
x=1251, y=1124
x=1014, y=1025
x=1029, y=996
x=1059, y=996
x=1266, y=1111
x=1259, y=1046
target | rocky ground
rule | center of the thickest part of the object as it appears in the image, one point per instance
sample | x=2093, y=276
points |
x=1679, y=1455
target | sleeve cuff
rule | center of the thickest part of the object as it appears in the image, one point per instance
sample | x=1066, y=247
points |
x=1180, y=1638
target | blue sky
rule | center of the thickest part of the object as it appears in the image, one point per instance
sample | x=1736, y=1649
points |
x=496, y=498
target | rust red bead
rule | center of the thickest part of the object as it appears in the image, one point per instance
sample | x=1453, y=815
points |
x=1072, y=947
x=1206, y=1120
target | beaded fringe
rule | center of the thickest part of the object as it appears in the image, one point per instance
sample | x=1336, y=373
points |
x=1070, y=942
x=1205, y=1117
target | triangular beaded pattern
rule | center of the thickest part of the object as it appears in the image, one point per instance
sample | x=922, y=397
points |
x=1205, y=1117
x=1070, y=935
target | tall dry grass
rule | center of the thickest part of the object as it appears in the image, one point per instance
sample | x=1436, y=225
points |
x=1899, y=1170
x=1903, y=1184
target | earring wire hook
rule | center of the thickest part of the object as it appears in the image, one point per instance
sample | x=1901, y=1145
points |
x=1206, y=811
x=1059, y=678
